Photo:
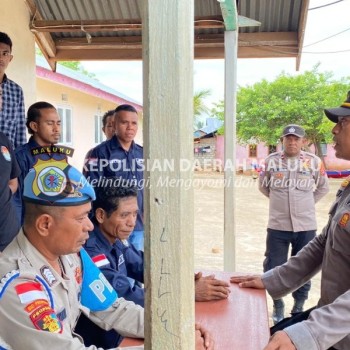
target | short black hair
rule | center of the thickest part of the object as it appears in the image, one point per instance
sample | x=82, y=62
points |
x=125, y=107
x=105, y=117
x=33, y=114
x=109, y=196
x=5, y=39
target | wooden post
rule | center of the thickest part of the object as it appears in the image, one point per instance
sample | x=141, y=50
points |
x=230, y=150
x=229, y=12
x=168, y=143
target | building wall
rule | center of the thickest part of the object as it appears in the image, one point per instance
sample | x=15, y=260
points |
x=205, y=153
x=14, y=19
x=84, y=107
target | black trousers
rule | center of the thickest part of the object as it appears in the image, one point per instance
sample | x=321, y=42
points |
x=288, y=321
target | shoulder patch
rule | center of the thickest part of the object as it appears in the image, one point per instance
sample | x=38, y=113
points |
x=45, y=319
x=27, y=290
x=30, y=291
x=6, y=280
x=100, y=260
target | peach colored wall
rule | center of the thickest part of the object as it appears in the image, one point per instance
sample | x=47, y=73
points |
x=84, y=108
x=14, y=19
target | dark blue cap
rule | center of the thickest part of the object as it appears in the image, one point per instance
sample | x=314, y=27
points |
x=56, y=183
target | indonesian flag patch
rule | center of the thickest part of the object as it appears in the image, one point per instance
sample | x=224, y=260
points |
x=30, y=291
x=100, y=260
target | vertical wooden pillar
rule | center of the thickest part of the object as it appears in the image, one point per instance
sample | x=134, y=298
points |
x=168, y=146
x=229, y=13
x=231, y=45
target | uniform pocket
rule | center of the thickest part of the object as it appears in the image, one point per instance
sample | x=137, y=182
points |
x=305, y=181
x=341, y=231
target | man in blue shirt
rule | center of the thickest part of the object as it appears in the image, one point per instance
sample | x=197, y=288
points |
x=12, y=114
x=115, y=213
x=9, y=225
x=44, y=126
x=121, y=158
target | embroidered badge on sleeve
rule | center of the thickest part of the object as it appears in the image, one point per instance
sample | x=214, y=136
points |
x=100, y=260
x=45, y=319
x=30, y=291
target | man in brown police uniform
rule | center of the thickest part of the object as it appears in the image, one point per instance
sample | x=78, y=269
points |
x=294, y=181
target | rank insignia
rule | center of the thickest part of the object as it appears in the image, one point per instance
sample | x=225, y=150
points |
x=344, y=219
x=48, y=275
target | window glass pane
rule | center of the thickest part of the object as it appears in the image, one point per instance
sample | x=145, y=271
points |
x=68, y=128
x=96, y=129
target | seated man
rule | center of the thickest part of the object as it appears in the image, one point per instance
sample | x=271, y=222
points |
x=115, y=213
x=43, y=288
x=47, y=279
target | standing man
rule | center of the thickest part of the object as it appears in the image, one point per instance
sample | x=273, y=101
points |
x=120, y=157
x=44, y=126
x=108, y=124
x=326, y=326
x=107, y=128
x=294, y=181
x=9, y=173
x=12, y=114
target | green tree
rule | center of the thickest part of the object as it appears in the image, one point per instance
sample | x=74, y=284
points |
x=199, y=107
x=77, y=66
x=264, y=108
x=74, y=65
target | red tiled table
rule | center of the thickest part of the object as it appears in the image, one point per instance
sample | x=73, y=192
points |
x=237, y=323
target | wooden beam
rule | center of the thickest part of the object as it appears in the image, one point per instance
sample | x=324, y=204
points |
x=135, y=42
x=43, y=40
x=99, y=54
x=245, y=52
x=301, y=30
x=208, y=51
x=128, y=42
x=85, y=26
x=52, y=26
x=168, y=136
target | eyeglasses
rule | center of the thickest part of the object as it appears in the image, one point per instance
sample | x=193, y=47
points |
x=343, y=121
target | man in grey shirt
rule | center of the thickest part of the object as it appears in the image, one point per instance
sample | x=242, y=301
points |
x=293, y=180
x=328, y=325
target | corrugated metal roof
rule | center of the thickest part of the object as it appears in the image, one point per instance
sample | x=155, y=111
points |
x=274, y=15
x=86, y=29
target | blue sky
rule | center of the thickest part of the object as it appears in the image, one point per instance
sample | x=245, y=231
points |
x=330, y=23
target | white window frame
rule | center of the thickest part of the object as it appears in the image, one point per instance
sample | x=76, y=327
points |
x=66, y=124
x=99, y=135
